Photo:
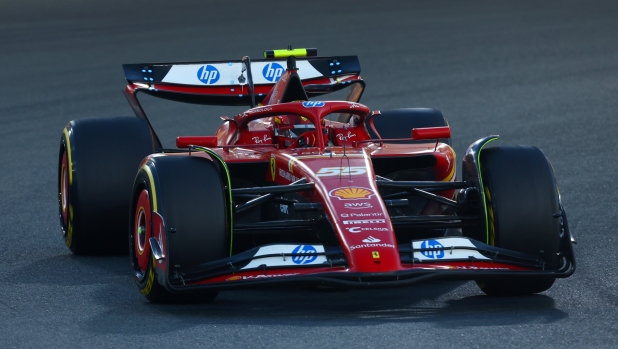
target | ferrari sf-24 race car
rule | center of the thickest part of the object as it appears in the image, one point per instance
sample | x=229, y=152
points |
x=299, y=189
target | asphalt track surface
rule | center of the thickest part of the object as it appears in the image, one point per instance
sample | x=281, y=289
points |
x=542, y=73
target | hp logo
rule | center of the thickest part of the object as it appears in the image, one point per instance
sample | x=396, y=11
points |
x=432, y=254
x=313, y=104
x=305, y=249
x=272, y=72
x=208, y=74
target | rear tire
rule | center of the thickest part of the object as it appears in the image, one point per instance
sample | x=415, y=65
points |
x=97, y=163
x=188, y=193
x=398, y=123
x=521, y=199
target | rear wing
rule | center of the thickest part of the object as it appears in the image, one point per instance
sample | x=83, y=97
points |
x=225, y=82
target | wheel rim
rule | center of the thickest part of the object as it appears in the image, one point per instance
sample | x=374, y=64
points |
x=142, y=230
x=64, y=190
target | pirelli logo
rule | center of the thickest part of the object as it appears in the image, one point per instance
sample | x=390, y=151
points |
x=365, y=221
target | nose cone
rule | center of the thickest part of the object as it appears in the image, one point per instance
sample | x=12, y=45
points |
x=361, y=220
x=346, y=185
x=366, y=232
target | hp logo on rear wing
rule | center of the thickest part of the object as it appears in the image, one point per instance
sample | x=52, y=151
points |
x=208, y=74
x=272, y=72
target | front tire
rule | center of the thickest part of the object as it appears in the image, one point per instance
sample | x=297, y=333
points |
x=188, y=193
x=521, y=199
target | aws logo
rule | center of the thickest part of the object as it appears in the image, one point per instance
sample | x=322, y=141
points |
x=272, y=72
x=208, y=74
x=357, y=205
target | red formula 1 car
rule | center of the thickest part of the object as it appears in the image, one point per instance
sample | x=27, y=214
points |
x=303, y=190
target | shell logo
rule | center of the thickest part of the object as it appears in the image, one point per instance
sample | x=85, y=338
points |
x=351, y=193
x=234, y=278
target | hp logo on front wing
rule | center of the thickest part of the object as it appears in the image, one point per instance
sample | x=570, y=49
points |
x=436, y=254
x=304, y=249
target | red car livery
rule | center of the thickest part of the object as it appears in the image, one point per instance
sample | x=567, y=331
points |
x=301, y=189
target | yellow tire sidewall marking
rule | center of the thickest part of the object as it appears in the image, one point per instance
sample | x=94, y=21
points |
x=150, y=281
x=153, y=191
x=69, y=238
x=68, y=150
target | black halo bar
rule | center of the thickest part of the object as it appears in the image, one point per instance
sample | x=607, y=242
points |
x=422, y=184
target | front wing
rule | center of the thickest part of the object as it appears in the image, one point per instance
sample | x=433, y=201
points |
x=452, y=258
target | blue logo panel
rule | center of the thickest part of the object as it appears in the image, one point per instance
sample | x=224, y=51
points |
x=432, y=254
x=272, y=72
x=208, y=74
x=304, y=249
x=312, y=104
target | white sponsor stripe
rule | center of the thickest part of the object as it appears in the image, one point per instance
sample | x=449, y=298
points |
x=278, y=249
x=446, y=253
x=186, y=74
x=279, y=260
x=446, y=242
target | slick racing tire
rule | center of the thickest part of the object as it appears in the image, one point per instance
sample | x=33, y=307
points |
x=521, y=198
x=398, y=123
x=188, y=193
x=96, y=168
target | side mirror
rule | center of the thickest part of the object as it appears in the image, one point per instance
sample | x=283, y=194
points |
x=431, y=132
x=204, y=141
